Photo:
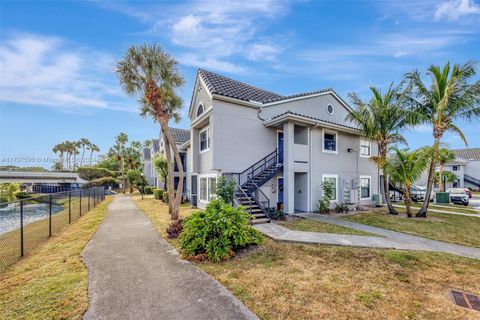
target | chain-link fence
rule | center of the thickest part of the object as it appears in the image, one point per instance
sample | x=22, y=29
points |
x=24, y=224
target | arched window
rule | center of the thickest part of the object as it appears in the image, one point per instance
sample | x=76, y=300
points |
x=199, y=110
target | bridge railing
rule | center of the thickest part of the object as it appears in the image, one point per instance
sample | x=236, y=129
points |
x=26, y=223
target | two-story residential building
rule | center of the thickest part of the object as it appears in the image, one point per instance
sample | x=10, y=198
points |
x=147, y=159
x=279, y=149
x=466, y=167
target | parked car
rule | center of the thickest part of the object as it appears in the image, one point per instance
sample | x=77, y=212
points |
x=418, y=193
x=469, y=192
x=458, y=196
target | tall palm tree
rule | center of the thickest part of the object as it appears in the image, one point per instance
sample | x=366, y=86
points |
x=60, y=149
x=381, y=120
x=93, y=148
x=405, y=168
x=84, y=143
x=444, y=156
x=118, y=151
x=450, y=96
x=133, y=158
x=151, y=73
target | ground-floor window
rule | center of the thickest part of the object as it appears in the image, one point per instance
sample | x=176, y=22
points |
x=365, y=187
x=208, y=188
x=333, y=180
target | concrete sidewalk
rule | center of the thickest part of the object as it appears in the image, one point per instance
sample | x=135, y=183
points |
x=135, y=274
x=391, y=239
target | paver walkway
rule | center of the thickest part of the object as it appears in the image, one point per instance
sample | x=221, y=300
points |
x=135, y=274
x=391, y=239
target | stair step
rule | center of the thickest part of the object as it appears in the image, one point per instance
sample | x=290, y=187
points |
x=259, y=221
x=259, y=215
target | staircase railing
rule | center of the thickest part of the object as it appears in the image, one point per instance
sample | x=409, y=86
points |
x=262, y=200
x=471, y=180
x=257, y=168
x=238, y=189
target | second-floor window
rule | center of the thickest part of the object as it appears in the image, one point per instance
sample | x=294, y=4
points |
x=365, y=148
x=183, y=158
x=204, y=139
x=454, y=168
x=329, y=142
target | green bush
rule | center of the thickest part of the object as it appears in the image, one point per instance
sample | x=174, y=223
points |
x=93, y=173
x=22, y=195
x=217, y=232
x=225, y=189
x=275, y=214
x=148, y=190
x=158, y=194
x=324, y=203
x=103, y=182
x=165, y=196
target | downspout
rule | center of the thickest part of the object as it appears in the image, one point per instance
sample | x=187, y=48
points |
x=310, y=168
x=259, y=112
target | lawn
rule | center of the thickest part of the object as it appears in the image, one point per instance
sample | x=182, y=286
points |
x=51, y=282
x=317, y=226
x=296, y=281
x=447, y=207
x=438, y=226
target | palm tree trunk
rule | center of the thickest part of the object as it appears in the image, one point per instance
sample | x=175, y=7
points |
x=81, y=159
x=441, y=184
x=130, y=186
x=178, y=197
x=422, y=213
x=408, y=200
x=170, y=175
x=386, y=187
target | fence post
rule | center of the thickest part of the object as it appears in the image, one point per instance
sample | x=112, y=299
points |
x=50, y=215
x=80, y=192
x=69, y=207
x=21, y=229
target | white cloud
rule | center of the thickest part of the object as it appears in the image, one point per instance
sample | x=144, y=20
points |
x=454, y=9
x=266, y=52
x=49, y=71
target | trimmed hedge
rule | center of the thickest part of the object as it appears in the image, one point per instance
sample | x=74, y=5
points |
x=158, y=194
x=105, y=181
x=148, y=190
x=165, y=196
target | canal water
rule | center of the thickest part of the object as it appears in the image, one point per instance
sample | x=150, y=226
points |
x=10, y=215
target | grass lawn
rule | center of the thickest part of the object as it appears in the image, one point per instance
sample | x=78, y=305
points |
x=317, y=226
x=438, y=226
x=296, y=281
x=448, y=207
x=51, y=282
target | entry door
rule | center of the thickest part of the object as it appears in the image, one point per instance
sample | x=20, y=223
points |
x=280, y=146
x=280, y=190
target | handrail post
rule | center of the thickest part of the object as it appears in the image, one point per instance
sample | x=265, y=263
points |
x=50, y=216
x=69, y=207
x=22, y=252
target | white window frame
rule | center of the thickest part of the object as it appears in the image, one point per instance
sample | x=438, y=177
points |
x=336, y=141
x=336, y=184
x=207, y=130
x=203, y=111
x=206, y=176
x=362, y=140
x=369, y=187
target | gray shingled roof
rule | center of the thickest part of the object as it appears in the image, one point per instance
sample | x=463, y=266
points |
x=180, y=136
x=313, y=118
x=235, y=89
x=468, y=153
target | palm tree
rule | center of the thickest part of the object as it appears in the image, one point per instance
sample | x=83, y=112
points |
x=83, y=143
x=450, y=96
x=118, y=151
x=381, y=120
x=93, y=148
x=133, y=156
x=60, y=149
x=405, y=168
x=444, y=156
x=152, y=74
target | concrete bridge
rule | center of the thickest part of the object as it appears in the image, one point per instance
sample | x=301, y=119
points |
x=28, y=177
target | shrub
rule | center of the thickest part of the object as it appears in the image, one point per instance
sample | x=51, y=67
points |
x=342, y=207
x=217, y=232
x=148, y=190
x=175, y=228
x=93, y=173
x=165, y=196
x=105, y=182
x=324, y=203
x=158, y=194
x=225, y=189
x=275, y=214
x=22, y=195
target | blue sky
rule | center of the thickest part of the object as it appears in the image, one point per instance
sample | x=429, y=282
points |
x=57, y=58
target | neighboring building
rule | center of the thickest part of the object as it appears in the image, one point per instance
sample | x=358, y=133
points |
x=289, y=145
x=147, y=158
x=466, y=167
